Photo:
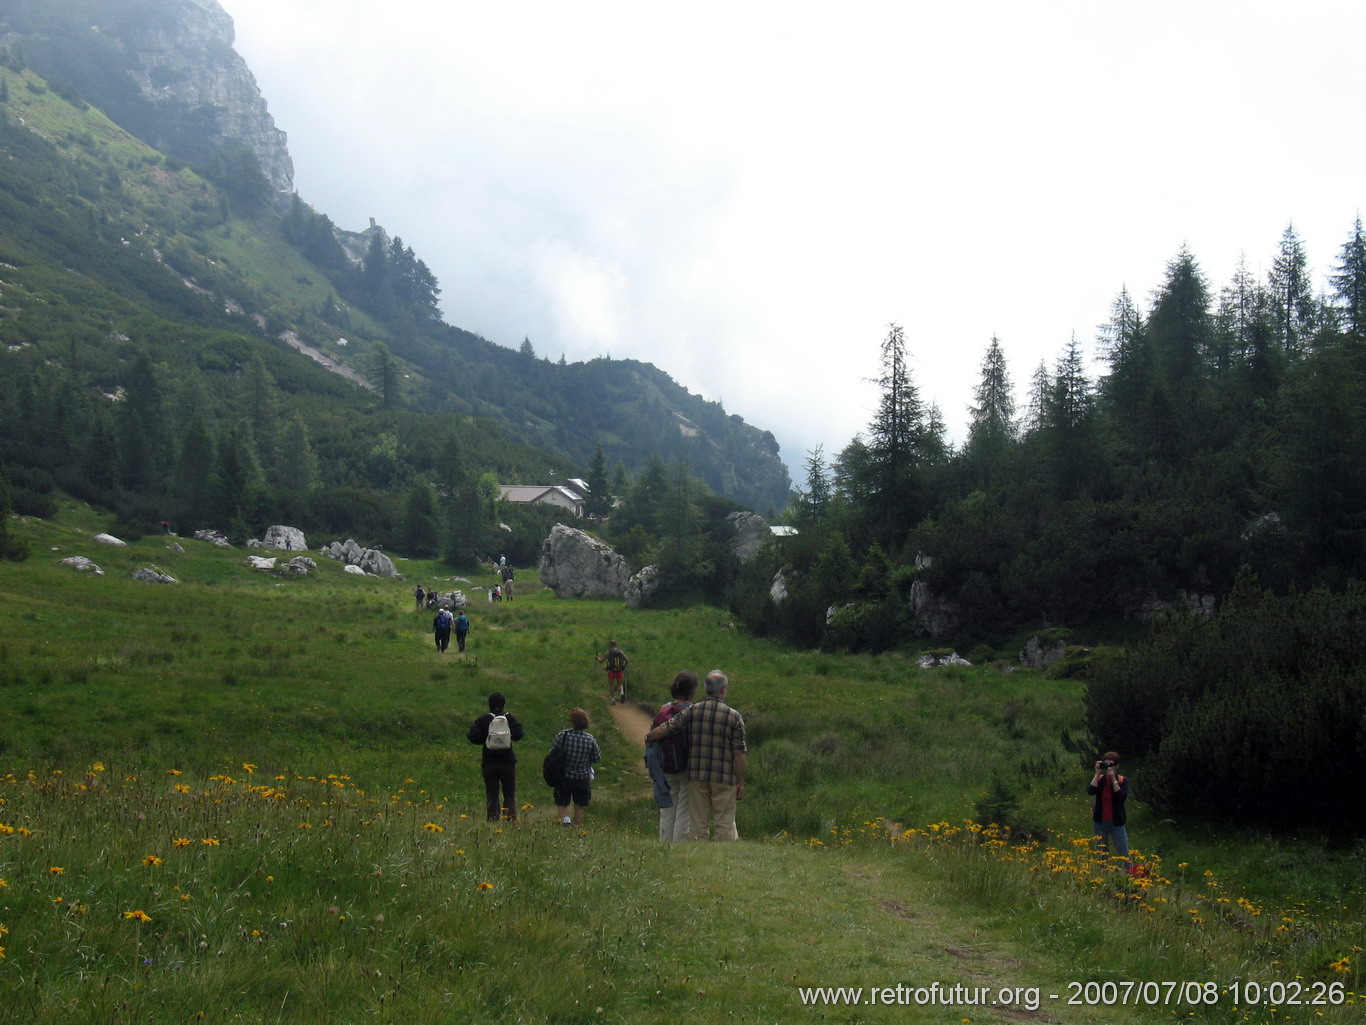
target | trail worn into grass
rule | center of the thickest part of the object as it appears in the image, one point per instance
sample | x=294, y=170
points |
x=820, y=928
x=795, y=933
x=633, y=722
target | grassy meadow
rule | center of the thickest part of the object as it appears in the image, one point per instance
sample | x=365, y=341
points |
x=246, y=797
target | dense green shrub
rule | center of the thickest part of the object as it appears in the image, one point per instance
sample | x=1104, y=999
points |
x=1255, y=714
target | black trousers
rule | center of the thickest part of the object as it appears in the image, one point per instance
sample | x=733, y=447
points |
x=504, y=775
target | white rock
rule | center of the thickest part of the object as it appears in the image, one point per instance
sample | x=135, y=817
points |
x=81, y=565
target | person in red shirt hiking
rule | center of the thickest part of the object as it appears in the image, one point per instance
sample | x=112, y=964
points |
x=616, y=671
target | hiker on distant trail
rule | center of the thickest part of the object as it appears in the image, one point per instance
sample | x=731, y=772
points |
x=462, y=627
x=496, y=594
x=616, y=671
x=1108, y=814
x=421, y=597
x=717, y=760
x=576, y=782
x=441, y=628
x=497, y=730
x=668, y=762
x=507, y=581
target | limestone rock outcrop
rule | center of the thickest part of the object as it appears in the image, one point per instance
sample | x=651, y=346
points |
x=750, y=531
x=291, y=539
x=934, y=616
x=642, y=587
x=366, y=560
x=575, y=565
x=1039, y=653
x=153, y=575
x=81, y=565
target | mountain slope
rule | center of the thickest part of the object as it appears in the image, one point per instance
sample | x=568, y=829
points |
x=216, y=210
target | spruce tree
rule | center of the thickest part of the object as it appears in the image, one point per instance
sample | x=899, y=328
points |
x=421, y=521
x=1292, y=297
x=1349, y=284
x=598, y=504
x=1180, y=331
x=992, y=428
x=896, y=443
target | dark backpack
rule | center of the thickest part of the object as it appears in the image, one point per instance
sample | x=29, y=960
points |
x=552, y=769
x=673, y=750
x=616, y=660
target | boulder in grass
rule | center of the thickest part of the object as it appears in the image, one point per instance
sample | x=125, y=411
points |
x=291, y=539
x=642, y=587
x=353, y=569
x=260, y=562
x=575, y=565
x=109, y=539
x=81, y=565
x=367, y=560
x=300, y=565
x=153, y=575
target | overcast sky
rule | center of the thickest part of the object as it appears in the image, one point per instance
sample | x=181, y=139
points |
x=747, y=194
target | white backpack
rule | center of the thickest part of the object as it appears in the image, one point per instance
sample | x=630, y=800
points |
x=500, y=734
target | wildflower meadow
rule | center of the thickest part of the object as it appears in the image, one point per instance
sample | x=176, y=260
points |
x=249, y=798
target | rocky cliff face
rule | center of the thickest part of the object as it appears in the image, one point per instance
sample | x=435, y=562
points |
x=165, y=69
x=190, y=60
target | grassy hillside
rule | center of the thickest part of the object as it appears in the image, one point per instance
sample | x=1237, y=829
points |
x=245, y=797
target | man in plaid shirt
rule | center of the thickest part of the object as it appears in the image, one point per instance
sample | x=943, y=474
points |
x=716, y=760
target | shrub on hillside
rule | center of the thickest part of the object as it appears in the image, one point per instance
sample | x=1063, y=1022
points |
x=1254, y=714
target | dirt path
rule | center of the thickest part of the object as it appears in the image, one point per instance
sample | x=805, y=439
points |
x=633, y=721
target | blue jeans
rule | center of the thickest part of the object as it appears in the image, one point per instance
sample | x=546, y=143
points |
x=1108, y=834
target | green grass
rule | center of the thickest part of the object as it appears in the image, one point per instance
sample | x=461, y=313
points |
x=353, y=879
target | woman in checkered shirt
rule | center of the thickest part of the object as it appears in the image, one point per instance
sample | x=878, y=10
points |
x=581, y=751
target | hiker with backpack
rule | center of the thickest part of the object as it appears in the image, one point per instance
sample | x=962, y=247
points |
x=496, y=731
x=462, y=627
x=616, y=671
x=421, y=596
x=441, y=627
x=667, y=760
x=580, y=750
x=507, y=575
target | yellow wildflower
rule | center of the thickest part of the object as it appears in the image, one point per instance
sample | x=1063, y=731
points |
x=152, y=861
x=138, y=915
